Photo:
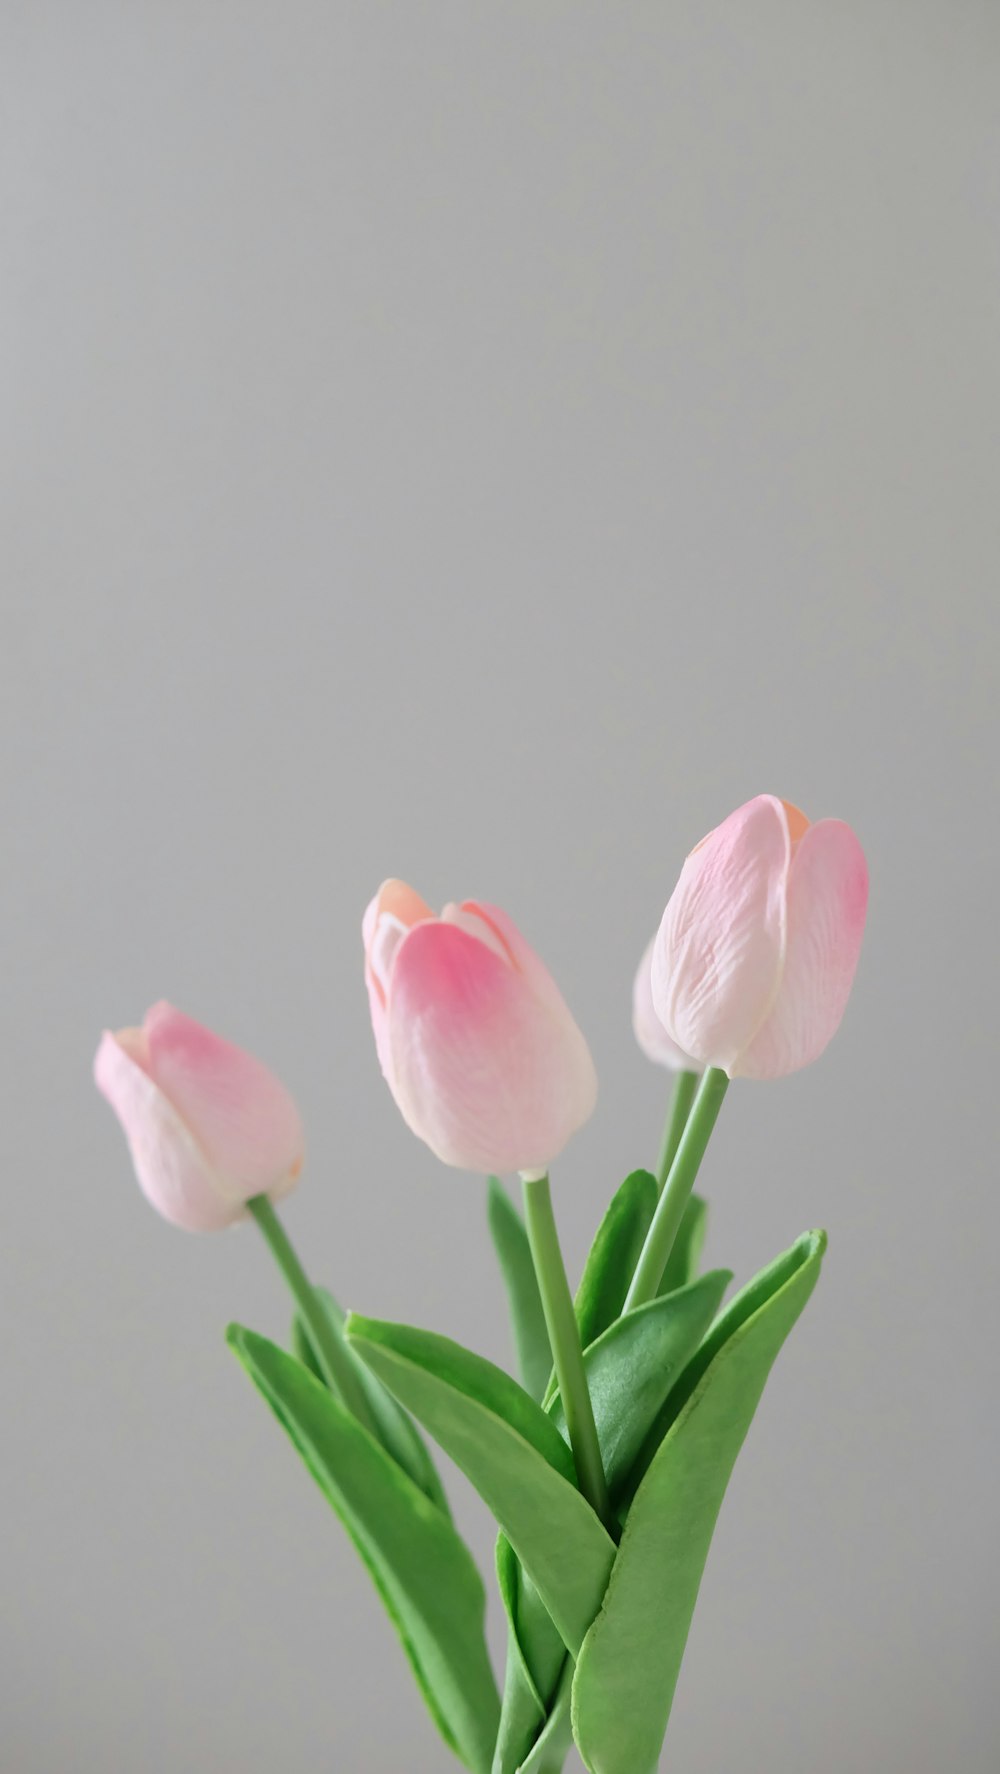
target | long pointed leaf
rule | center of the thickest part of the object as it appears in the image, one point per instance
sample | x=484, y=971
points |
x=522, y=1720
x=682, y=1263
x=627, y=1670
x=536, y=1657
x=630, y=1371
x=397, y=1431
x=550, y=1747
x=522, y=1708
x=422, y=1570
x=511, y=1452
x=614, y=1254
x=611, y=1259
x=527, y=1318
x=632, y=1367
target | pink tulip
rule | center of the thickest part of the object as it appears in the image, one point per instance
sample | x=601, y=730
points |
x=646, y=1025
x=754, y=960
x=208, y=1126
x=476, y=1043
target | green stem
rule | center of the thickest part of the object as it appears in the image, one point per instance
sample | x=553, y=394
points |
x=335, y=1362
x=676, y=1193
x=683, y=1095
x=567, y=1352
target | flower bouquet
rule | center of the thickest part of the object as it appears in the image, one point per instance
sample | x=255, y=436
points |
x=606, y=1462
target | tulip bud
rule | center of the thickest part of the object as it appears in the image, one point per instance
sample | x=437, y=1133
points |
x=646, y=1025
x=754, y=960
x=208, y=1125
x=475, y=1041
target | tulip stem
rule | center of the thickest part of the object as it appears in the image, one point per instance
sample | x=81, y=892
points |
x=681, y=1098
x=677, y=1190
x=335, y=1362
x=567, y=1351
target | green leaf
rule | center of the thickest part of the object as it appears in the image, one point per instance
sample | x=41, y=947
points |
x=536, y=1659
x=632, y=1367
x=614, y=1254
x=521, y=1717
x=535, y=1656
x=510, y=1241
x=627, y=1670
x=630, y=1370
x=682, y=1263
x=421, y=1569
x=549, y=1750
x=512, y=1453
x=612, y=1259
x=397, y=1431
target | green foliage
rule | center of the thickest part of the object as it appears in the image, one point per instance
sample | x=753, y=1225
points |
x=549, y=1750
x=511, y=1452
x=595, y=1635
x=627, y=1670
x=632, y=1367
x=510, y=1241
x=630, y=1371
x=420, y=1567
x=536, y=1659
x=684, y=1259
x=614, y=1254
x=396, y=1430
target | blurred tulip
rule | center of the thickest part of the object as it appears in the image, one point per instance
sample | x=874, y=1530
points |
x=208, y=1125
x=474, y=1038
x=646, y=1025
x=754, y=960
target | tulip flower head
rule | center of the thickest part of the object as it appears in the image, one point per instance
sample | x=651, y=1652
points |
x=649, y=1032
x=208, y=1126
x=754, y=960
x=475, y=1041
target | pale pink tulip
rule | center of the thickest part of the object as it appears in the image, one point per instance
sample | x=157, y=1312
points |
x=208, y=1125
x=476, y=1043
x=646, y=1025
x=754, y=960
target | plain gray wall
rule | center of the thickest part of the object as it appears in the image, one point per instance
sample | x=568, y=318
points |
x=486, y=443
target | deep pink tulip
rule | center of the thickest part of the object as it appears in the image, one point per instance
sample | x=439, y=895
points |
x=754, y=960
x=646, y=1025
x=476, y=1043
x=208, y=1125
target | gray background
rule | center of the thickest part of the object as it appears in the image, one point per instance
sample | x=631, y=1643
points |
x=486, y=443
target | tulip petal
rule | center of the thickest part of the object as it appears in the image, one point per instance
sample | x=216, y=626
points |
x=718, y=955
x=389, y=916
x=245, y=1121
x=491, y=1075
x=522, y=956
x=646, y=1025
x=174, y=1174
x=469, y=917
x=397, y=900
x=827, y=902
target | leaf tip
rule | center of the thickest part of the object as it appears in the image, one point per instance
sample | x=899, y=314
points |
x=358, y=1328
x=721, y=1277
